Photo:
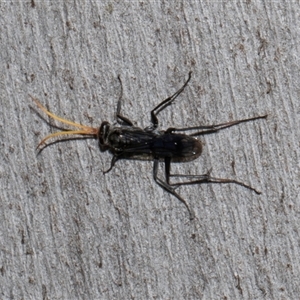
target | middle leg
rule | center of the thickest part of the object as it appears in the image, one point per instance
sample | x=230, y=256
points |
x=165, y=185
x=161, y=106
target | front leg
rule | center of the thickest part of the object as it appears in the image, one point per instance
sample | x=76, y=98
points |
x=112, y=163
x=120, y=119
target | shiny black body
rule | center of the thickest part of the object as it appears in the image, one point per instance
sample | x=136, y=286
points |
x=127, y=141
x=134, y=142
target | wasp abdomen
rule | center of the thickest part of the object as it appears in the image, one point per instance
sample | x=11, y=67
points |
x=177, y=146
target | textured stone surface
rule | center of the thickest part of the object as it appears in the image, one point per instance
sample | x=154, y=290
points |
x=68, y=231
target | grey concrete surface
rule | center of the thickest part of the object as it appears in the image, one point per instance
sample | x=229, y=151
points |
x=70, y=232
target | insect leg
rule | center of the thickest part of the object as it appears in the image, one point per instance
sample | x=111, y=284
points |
x=206, y=178
x=167, y=169
x=213, y=128
x=168, y=187
x=112, y=163
x=166, y=103
x=120, y=118
x=125, y=120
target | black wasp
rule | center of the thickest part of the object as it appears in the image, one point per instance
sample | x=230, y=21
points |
x=125, y=141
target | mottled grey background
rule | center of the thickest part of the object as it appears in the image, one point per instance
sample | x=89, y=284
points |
x=68, y=231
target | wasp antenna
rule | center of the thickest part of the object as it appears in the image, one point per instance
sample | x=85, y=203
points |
x=83, y=129
x=67, y=132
